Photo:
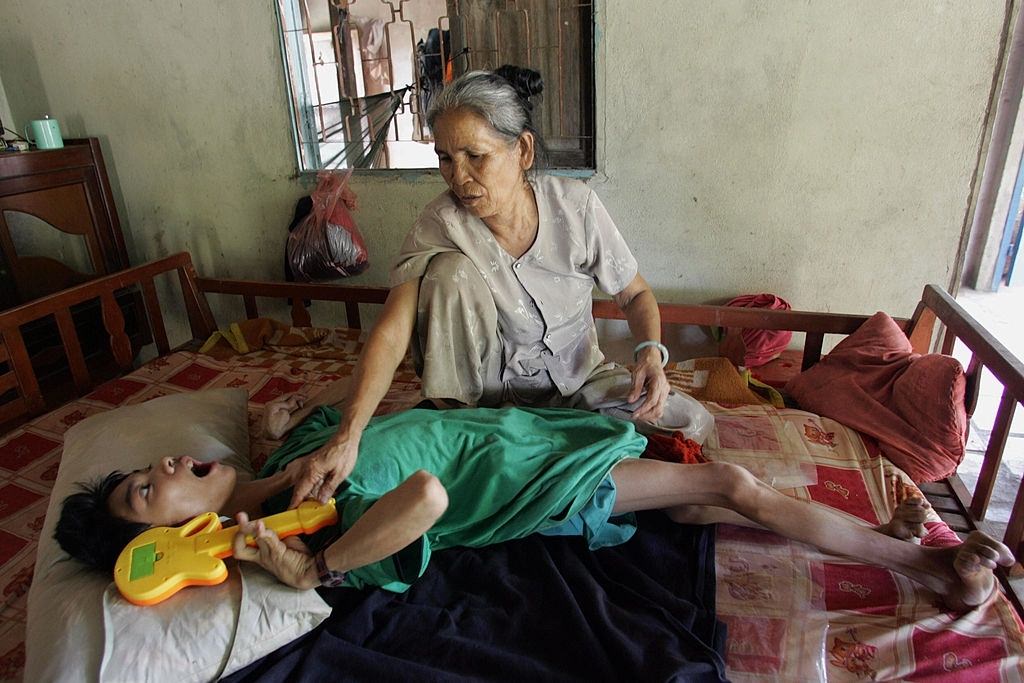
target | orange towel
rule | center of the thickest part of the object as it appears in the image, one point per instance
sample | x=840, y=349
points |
x=674, y=447
x=712, y=379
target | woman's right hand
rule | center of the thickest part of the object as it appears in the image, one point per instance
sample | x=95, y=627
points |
x=326, y=467
x=323, y=469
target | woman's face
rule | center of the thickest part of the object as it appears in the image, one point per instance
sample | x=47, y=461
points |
x=483, y=170
x=171, y=491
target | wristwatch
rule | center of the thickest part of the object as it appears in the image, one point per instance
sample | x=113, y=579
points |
x=329, y=578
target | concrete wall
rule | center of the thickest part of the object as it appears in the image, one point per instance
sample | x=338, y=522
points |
x=5, y=109
x=823, y=151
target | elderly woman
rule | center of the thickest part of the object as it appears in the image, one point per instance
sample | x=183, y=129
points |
x=493, y=286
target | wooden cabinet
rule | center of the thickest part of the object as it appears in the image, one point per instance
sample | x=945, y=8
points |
x=67, y=191
x=59, y=228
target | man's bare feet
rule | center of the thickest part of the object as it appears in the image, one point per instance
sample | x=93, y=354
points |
x=968, y=568
x=277, y=413
x=908, y=520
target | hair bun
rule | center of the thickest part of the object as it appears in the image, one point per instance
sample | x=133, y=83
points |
x=526, y=82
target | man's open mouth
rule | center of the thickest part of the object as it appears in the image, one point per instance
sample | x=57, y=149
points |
x=201, y=469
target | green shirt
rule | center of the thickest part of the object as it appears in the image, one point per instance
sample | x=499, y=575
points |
x=509, y=472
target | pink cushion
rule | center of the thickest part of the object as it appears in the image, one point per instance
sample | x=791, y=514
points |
x=930, y=396
x=912, y=404
x=762, y=346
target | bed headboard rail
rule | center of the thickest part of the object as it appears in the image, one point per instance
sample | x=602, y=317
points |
x=814, y=326
x=987, y=353
x=17, y=373
x=935, y=306
x=299, y=293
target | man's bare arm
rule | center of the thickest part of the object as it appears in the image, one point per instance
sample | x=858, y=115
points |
x=397, y=519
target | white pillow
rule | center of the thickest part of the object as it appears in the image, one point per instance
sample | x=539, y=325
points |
x=80, y=628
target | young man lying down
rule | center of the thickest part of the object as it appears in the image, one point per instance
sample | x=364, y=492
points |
x=427, y=480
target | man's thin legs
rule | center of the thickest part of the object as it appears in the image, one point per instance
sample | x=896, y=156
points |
x=961, y=574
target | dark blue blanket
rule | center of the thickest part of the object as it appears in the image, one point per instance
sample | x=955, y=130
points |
x=536, y=609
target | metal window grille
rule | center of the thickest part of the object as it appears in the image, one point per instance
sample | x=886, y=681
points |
x=361, y=73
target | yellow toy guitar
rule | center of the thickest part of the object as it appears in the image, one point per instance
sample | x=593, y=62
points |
x=161, y=561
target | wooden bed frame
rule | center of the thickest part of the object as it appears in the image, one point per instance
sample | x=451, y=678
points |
x=21, y=396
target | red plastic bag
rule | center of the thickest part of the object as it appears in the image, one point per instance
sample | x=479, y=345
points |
x=327, y=244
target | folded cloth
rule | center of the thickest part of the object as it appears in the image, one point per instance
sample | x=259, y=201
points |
x=674, y=447
x=764, y=391
x=763, y=346
x=713, y=379
x=251, y=335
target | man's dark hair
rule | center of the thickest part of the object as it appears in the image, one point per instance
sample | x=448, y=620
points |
x=88, y=531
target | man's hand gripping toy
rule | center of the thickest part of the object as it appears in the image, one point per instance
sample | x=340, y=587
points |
x=161, y=561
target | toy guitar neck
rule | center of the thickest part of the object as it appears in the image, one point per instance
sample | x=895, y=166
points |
x=161, y=561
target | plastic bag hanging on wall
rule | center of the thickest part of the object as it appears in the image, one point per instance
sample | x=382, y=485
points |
x=326, y=244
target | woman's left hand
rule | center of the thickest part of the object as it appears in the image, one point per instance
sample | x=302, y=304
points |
x=289, y=559
x=649, y=376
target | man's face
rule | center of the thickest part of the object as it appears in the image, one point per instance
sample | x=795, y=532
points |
x=171, y=491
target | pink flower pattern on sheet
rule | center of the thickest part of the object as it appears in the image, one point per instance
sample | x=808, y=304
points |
x=876, y=624
x=853, y=655
x=751, y=433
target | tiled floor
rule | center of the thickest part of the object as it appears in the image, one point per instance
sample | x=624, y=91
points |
x=1002, y=314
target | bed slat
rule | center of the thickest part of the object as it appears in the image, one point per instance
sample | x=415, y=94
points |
x=1015, y=527
x=200, y=318
x=921, y=328
x=352, y=315
x=813, y=342
x=972, y=388
x=993, y=456
x=251, y=312
x=8, y=381
x=300, y=314
x=73, y=350
x=12, y=410
x=22, y=366
x=113, y=322
x=948, y=342
x=944, y=503
x=155, y=316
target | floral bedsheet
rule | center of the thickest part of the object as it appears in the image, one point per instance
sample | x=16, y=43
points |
x=795, y=614
x=792, y=613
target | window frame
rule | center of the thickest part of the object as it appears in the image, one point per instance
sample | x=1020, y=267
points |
x=586, y=164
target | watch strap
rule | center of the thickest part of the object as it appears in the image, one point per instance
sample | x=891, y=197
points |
x=329, y=578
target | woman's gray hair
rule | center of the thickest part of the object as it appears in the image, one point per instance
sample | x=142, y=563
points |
x=501, y=97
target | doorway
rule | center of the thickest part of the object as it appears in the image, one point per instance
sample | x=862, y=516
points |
x=991, y=283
